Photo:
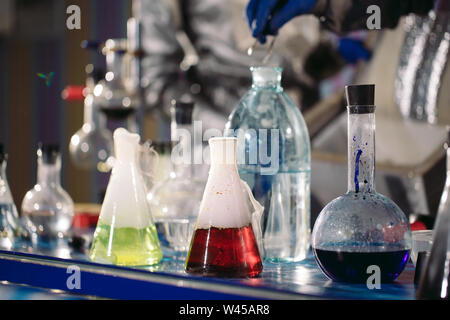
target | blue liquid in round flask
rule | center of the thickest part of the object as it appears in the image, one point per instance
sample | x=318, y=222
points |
x=361, y=233
x=274, y=156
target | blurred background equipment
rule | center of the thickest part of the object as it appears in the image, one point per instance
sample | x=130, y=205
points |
x=175, y=201
x=434, y=281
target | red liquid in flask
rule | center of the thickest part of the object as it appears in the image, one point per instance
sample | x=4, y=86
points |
x=229, y=252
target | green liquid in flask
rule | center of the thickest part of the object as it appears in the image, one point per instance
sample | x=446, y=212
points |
x=126, y=246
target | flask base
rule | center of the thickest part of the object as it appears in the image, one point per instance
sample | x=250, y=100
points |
x=224, y=253
x=125, y=246
x=353, y=266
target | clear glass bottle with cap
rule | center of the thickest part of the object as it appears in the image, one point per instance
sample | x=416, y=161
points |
x=361, y=229
x=175, y=201
x=435, y=280
x=274, y=159
x=125, y=233
x=227, y=236
x=9, y=217
x=48, y=209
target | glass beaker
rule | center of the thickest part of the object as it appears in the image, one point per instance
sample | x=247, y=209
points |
x=125, y=233
x=227, y=233
x=362, y=228
x=435, y=280
x=175, y=202
x=274, y=160
x=48, y=209
x=9, y=216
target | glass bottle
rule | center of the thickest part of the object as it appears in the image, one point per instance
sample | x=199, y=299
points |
x=434, y=282
x=274, y=159
x=362, y=228
x=9, y=216
x=125, y=233
x=48, y=209
x=227, y=233
x=175, y=202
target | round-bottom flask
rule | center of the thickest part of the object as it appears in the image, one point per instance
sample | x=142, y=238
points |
x=47, y=208
x=361, y=234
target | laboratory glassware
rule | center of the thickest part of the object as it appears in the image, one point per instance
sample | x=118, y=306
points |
x=115, y=101
x=47, y=209
x=434, y=282
x=274, y=159
x=175, y=201
x=361, y=232
x=125, y=233
x=227, y=234
x=92, y=145
x=9, y=216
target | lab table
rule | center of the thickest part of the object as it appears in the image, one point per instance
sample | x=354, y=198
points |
x=50, y=274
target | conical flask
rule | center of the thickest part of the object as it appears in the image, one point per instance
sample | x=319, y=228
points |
x=125, y=233
x=227, y=235
x=434, y=282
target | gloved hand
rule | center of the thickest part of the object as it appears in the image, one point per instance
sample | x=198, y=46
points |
x=353, y=50
x=266, y=17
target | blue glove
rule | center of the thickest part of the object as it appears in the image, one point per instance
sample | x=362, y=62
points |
x=353, y=50
x=266, y=17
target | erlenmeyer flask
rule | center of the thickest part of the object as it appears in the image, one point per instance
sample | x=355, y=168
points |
x=8, y=212
x=362, y=228
x=125, y=233
x=227, y=234
x=435, y=280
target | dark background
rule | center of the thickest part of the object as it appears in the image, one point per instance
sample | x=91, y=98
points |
x=37, y=40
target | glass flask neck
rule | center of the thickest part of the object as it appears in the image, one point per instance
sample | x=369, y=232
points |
x=92, y=116
x=266, y=77
x=223, y=152
x=182, y=133
x=361, y=149
x=3, y=169
x=48, y=173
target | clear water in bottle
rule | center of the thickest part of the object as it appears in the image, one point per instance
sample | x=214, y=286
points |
x=274, y=159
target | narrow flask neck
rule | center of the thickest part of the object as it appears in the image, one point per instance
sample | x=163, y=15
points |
x=92, y=116
x=361, y=149
x=48, y=174
x=3, y=170
x=223, y=153
x=182, y=137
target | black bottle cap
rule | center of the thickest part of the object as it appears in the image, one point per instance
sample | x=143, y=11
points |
x=360, y=95
x=3, y=155
x=183, y=111
x=49, y=152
